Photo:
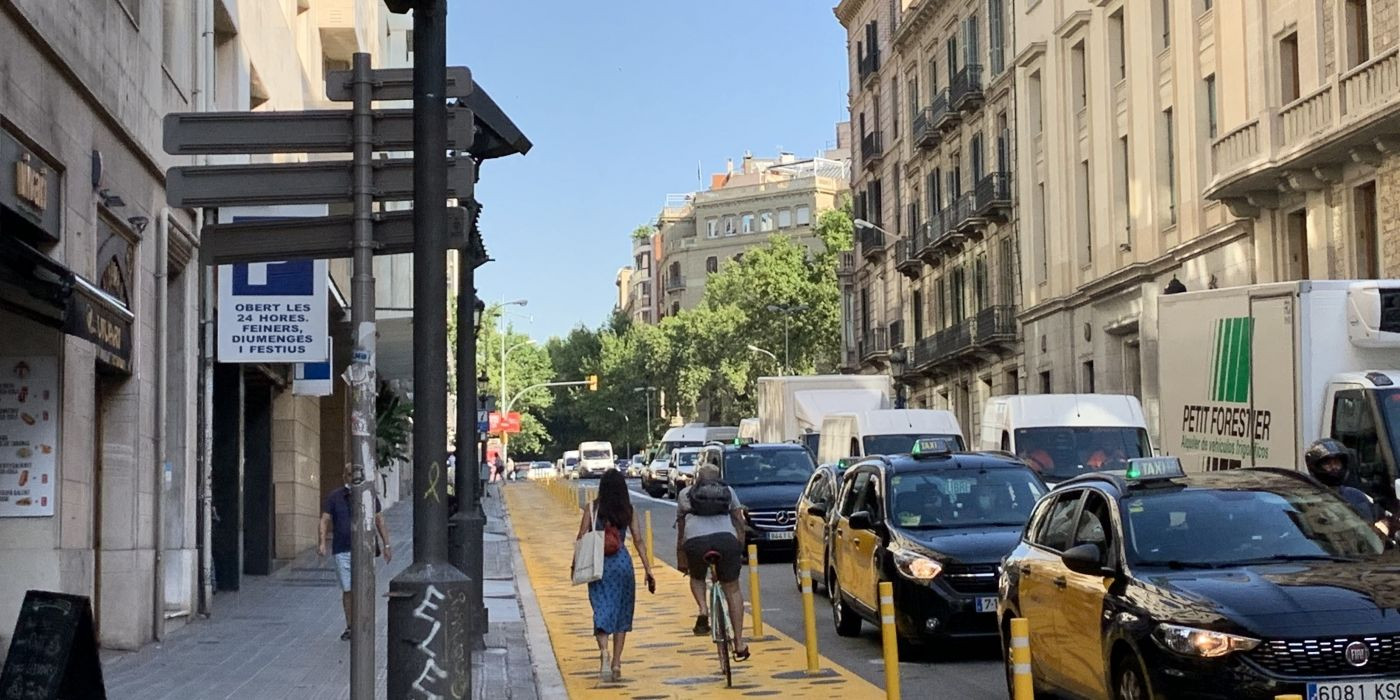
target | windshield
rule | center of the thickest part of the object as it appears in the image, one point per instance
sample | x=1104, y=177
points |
x=1221, y=527
x=570, y=461
x=747, y=467
x=1061, y=453
x=1389, y=402
x=597, y=454
x=963, y=498
x=686, y=459
x=901, y=444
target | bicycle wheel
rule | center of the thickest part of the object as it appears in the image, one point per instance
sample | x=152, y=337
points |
x=724, y=663
x=719, y=627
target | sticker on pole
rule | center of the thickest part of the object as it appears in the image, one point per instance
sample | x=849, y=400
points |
x=273, y=312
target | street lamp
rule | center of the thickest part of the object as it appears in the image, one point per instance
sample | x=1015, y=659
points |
x=757, y=349
x=788, y=311
x=627, y=441
x=501, y=326
x=649, y=390
x=899, y=360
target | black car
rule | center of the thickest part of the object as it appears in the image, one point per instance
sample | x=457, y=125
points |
x=768, y=479
x=934, y=524
x=1248, y=583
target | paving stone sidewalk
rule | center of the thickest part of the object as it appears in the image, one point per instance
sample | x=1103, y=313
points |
x=279, y=636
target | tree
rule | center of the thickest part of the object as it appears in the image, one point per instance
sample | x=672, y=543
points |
x=526, y=365
x=393, y=426
x=643, y=232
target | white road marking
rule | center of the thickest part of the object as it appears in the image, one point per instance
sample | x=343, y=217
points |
x=653, y=499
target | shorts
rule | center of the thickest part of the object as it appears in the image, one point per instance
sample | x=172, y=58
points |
x=342, y=570
x=731, y=555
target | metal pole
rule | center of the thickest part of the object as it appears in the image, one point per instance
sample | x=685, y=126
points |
x=468, y=524
x=362, y=391
x=787, y=350
x=427, y=636
x=501, y=330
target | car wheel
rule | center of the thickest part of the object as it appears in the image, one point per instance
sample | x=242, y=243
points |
x=797, y=575
x=1130, y=679
x=846, y=620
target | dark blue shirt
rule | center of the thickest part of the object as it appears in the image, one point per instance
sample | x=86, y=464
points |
x=338, y=506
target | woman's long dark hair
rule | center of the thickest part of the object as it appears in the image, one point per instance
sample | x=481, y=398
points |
x=614, y=503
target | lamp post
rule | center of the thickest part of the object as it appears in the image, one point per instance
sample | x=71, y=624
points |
x=628, y=422
x=755, y=348
x=788, y=311
x=899, y=359
x=649, y=391
x=505, y=354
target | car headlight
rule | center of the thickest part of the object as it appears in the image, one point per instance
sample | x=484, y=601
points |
x=1192, y=641
x=917, y=566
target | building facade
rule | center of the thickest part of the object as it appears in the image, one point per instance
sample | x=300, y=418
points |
x=931, y=294
x=102, y=300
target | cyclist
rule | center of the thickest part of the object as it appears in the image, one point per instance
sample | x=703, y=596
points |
x=709, y=518
x=1329, y=462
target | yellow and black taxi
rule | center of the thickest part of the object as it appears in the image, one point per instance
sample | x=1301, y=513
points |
x=812, y=509
x=1250, y=583
x=935, y=523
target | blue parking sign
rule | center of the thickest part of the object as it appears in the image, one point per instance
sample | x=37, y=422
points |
x=274, y=312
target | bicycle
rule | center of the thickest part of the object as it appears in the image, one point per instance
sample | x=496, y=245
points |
x=721, y=630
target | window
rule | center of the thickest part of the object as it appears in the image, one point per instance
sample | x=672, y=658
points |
x=980, y=284
x=853, y=493
x=1084, y=214
x=746, y=225
x=1169, y=163
x=1117, y=51
x=712, y=227
x=765, y=221
x=918, y=304
x=819, y=489
x=1358, y=32
x=1212, y=127
x=1078, y=77
x=912, y=96
x=894, y=107
x=1295, y=264
x=1096, y=525
x=1013, y=385
x=729, y=226
x=1164, y=16
x=957, y=291
x=784, y=218
x=1003, y=144
x=1089, y=377
x=804, y=215
x=952, y=50
x=1206, y=5
x=1036, y=94
x=932, y=77
x=675, y=308
x=1045, y=386
x=712, y=264
x=868, y=499
x=1366, y=225
x=979, y=167
x=971, y=48
x=1288, y=68
x=177, y=44
x=996, y=44
x=1041, y=249
x=941, y=294
x=1121, y=189
x=1057, y=529
x=935, y=191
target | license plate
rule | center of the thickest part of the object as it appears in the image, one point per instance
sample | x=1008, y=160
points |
x=780, y=535
x=986, y=604
x=1385, y=689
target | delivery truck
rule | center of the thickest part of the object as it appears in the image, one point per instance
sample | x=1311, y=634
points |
x=791, y=409
x=884, y=432
x=1251, y=375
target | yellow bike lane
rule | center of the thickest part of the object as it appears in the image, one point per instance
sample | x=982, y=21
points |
x=662, y=658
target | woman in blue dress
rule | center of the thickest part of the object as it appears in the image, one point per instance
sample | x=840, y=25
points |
x=614, y=595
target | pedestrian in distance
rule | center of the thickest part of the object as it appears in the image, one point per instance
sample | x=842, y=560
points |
x=709, y=518
x=335, y=534
x=614, y=596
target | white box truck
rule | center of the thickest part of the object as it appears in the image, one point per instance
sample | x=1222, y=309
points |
x=1251, y=375
x=791, y=409
x=883, y=432
x=1064, y=435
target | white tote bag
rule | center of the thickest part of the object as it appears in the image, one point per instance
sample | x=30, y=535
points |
x=588, y=552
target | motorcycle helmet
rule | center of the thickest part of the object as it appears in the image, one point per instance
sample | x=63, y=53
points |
x=1322, y=450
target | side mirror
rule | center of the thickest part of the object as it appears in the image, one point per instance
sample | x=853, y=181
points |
x=861, y=521
x=1084, y=559
x=1397, y=487
x=816, y=510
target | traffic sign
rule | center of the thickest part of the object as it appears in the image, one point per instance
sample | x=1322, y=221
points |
x=302, y=183
x=311, y=131
x=318, y=237
x=314, y=378
x=273, y=312
x=395, y=84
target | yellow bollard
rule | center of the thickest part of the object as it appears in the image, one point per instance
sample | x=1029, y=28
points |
x=754, y=600
x=890, y=639
x=809, y=620
x=651, y=553
x=1022, y=683
x=1288, y=697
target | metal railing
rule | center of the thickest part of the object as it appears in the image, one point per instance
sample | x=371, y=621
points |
x=992, y=327
x=906, y=253
x=941, y=112
x=995, y=325
x=872, y=242
x=962, y=211
x=869, y=64
x=872, y=148
x=873, y=342
x=846, y=263
x=966, y=90
x=675, y=283
x=944, y=231
x=993, y=193
x=926, y=133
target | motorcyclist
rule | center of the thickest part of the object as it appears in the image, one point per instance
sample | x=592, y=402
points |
x=1329, y=461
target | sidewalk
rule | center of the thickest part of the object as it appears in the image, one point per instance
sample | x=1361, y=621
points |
x=279, y=636
x=662, y=659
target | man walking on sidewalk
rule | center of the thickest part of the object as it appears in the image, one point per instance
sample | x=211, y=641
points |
x=336, y=518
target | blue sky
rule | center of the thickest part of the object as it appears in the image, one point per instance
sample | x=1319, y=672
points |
x=622, y=99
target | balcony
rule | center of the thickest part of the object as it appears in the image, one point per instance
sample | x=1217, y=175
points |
x=995, y=327
x=964, y=218
x=675, y=283
x=929, y=233
x=942, y=347
x=874, y=344
x=846, y=264
x=868, y=65
x=872, y=149
x=993, y=197
x=850, y=360
x=926, y=135
x=906, y=254
x=1302, y=146
x=942, y=114
x=872, y=243
x=945, y=238
x=991, y=330
x=966, y=90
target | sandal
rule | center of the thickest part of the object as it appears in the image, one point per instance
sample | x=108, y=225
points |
x=617, y=673
x=742, y=655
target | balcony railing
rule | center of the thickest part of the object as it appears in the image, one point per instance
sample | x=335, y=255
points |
x=995, y=326
x=943, y=346
x=929, y=233
x=906, y=256
x=926, y=134
x=873, y=343
x=964, y=213
x=846, y=264
x=872, y=148
x=946, y=237
x=966, y=90
x=991, y=329
x=675, y=283
x=941, y=112
x=994, y=196
x=869, y=64
x=872, y=242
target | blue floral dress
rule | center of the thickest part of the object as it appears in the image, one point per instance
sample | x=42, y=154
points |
x=614, y=596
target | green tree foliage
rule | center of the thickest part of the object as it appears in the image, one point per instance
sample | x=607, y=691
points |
x=393, y=426
x=643, y=232
x=526, y=365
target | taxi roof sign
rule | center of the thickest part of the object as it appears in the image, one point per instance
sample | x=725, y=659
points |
x=1153, y=468
x=932, y=447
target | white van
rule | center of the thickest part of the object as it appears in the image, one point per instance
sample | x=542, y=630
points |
x=694, y=435
x=884, y=432
x=594, y=458
x=1064, y=435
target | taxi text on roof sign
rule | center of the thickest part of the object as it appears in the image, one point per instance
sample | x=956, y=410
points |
x=932, y=446
x=1146, y=468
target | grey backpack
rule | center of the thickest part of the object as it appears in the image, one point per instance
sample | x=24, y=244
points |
x=710, y=497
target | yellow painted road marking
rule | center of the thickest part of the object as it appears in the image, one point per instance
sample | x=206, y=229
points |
x=662, y=658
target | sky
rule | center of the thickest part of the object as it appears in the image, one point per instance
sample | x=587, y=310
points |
x=623, y=99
